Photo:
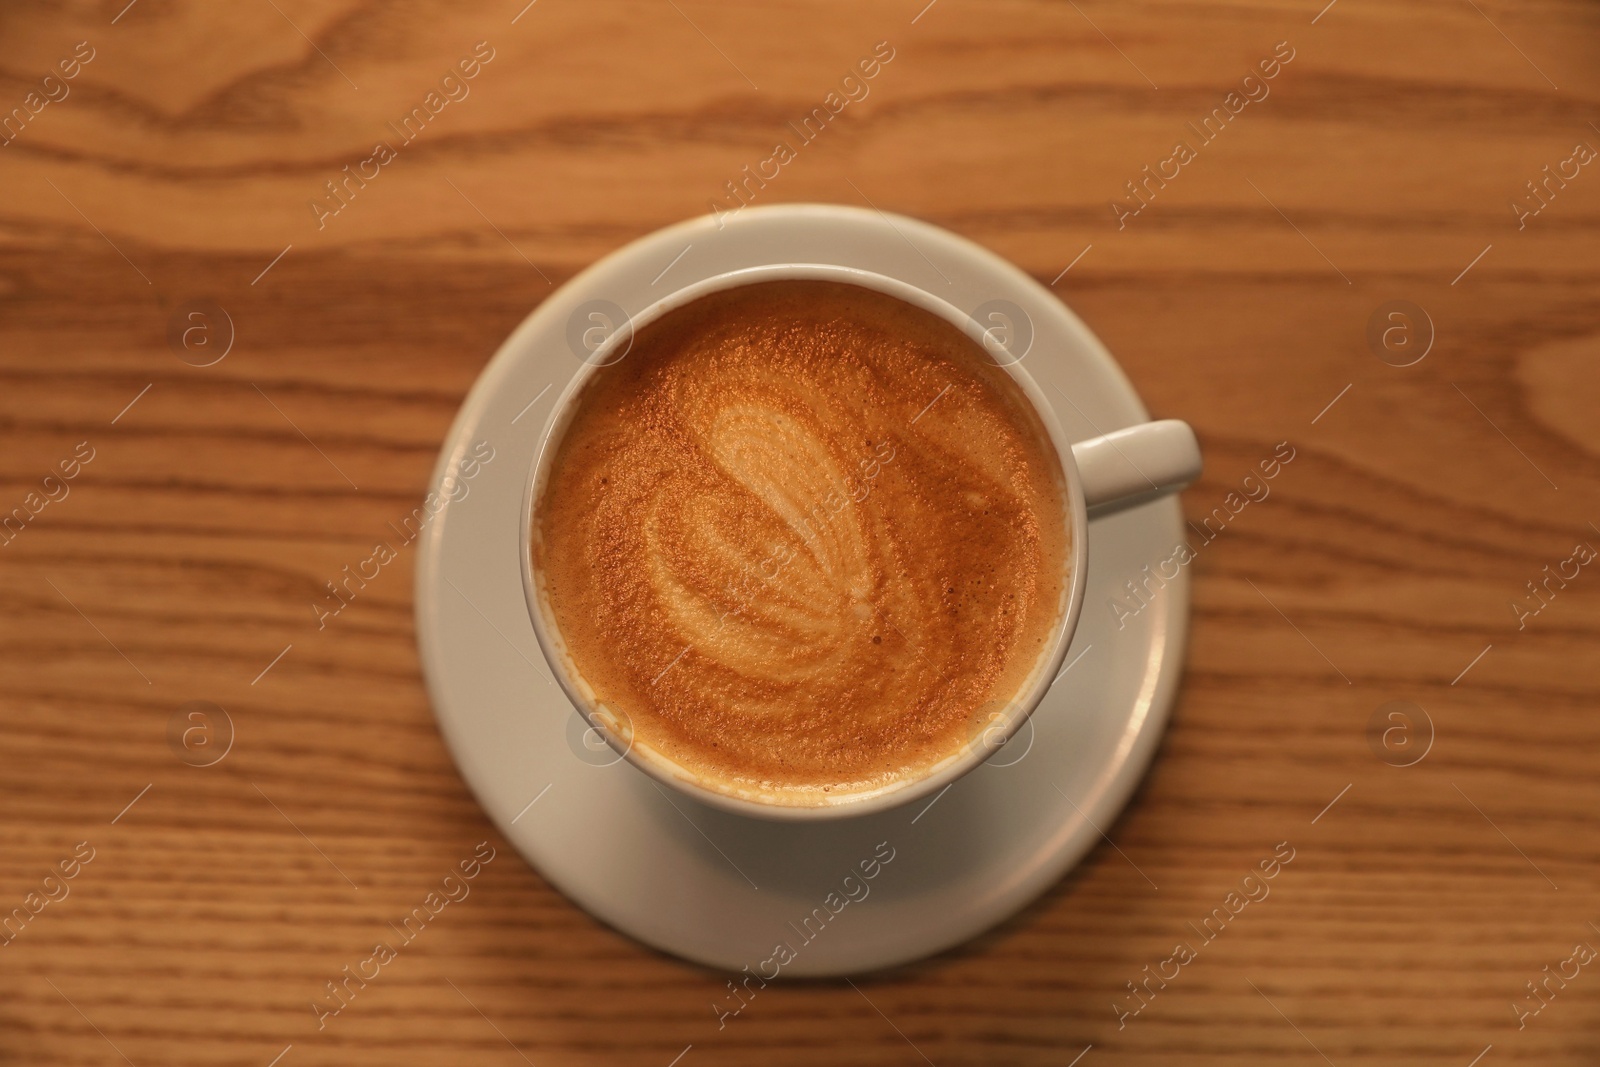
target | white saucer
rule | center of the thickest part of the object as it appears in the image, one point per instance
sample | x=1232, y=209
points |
x=726, y=890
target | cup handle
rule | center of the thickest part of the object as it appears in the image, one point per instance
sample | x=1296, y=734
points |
x=1140, y=463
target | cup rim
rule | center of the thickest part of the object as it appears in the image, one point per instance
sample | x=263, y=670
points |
x=850, y=805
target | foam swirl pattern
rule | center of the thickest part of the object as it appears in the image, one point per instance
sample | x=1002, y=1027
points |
x=803, y=534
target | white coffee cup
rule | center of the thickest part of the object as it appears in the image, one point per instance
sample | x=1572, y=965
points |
x=1118, y=469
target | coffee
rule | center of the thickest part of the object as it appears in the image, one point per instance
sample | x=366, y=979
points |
x=804, y=537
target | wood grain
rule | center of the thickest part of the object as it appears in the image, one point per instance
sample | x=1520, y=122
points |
x=188, y=551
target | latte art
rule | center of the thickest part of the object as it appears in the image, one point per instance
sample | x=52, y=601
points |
x=804, y=536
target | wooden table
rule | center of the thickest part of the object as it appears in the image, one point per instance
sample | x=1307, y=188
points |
x=181, y=562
